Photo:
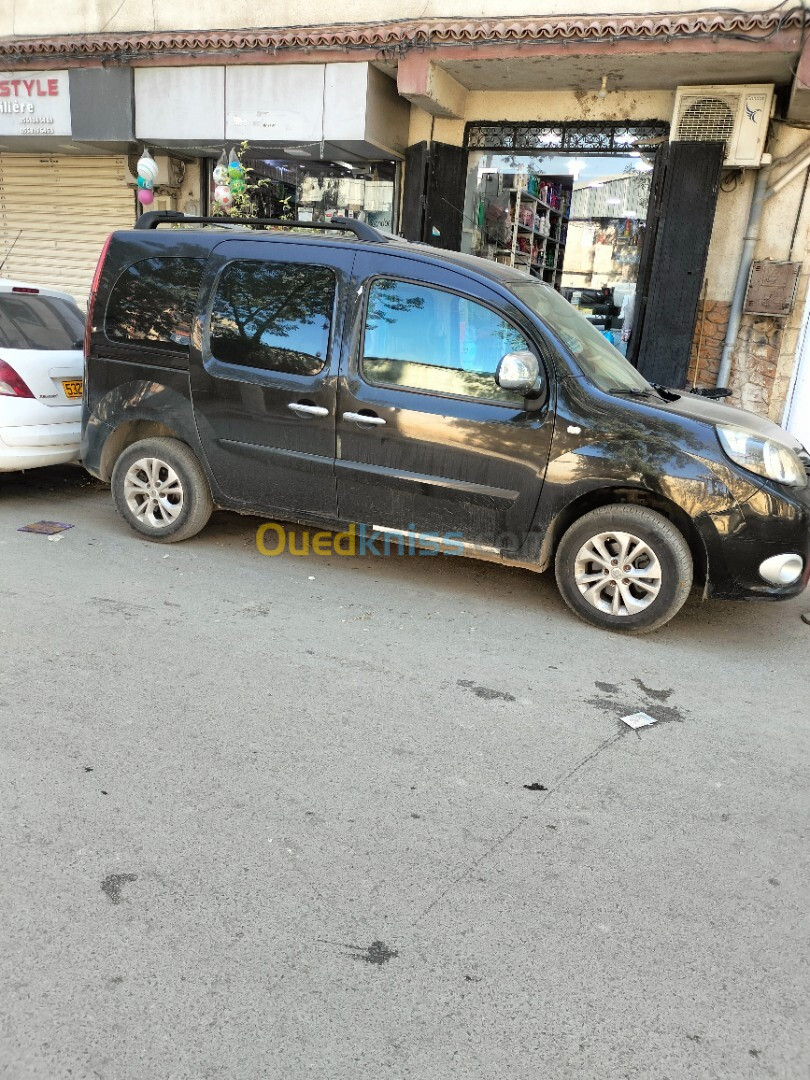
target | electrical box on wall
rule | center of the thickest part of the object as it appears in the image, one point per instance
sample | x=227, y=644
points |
x=771, y=287
x=735, y=115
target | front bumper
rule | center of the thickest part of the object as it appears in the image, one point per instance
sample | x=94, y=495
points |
x=774, y=521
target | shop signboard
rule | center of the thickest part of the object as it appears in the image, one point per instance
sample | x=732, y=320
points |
x=34, y=103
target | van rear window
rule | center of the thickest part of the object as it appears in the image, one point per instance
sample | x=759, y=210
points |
x=152, y=303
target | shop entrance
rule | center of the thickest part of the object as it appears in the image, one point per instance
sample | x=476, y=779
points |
x=612, y=215
x=568, y=203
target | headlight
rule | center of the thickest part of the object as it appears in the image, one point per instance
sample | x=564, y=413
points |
x=762, y=456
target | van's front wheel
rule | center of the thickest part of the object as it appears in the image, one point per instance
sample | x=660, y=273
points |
x=160, y=490
x=624, y=568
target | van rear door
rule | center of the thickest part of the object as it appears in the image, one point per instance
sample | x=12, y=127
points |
x=264, y=371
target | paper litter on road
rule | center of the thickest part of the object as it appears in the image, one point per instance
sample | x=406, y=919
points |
x=56, y=538
x=46, y=528
x=639, y=719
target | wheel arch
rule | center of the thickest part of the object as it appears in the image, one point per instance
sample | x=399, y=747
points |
x=621, y=495
x=127, y=433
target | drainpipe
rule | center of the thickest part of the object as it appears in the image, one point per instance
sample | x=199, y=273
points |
x=761, y=194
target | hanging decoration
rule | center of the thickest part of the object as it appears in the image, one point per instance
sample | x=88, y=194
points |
x=221, y=170
x=147, y=170
x=229, y=178
x=236, y=175
x=222, y=195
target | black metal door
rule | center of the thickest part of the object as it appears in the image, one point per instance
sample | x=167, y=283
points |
x=413, y=191
x=433, y=194
x=647, y=250
x=679, y=228
x=444, y=208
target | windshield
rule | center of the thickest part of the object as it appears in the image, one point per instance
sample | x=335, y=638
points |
x=603, y=365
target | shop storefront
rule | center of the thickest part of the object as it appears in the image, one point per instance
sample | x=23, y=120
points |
x=320, y=190
x=319, y=140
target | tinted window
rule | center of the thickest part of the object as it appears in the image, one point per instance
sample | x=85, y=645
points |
x=152, y=303
x=427, y=339
x=39, y=322
x=274, y=316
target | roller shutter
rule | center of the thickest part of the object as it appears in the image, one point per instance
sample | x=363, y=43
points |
x=57, y=211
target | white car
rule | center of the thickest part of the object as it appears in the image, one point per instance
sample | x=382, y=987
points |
x=41, y=369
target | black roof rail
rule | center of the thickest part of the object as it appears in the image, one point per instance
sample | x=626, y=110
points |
x=361, y=230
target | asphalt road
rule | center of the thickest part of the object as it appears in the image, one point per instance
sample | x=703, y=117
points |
x=269, y=818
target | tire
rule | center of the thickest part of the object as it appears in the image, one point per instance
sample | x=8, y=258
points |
x=650, y=588
x=150, y=467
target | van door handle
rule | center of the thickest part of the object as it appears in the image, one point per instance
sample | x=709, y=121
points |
x=364, y=418
x=307, y=410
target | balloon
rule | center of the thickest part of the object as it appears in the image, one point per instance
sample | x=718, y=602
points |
x=147, y=167
x=222, y=195
x=221, y=174
x=235, y=170
x=145, y=183
x=237, y=186
x=146, y=196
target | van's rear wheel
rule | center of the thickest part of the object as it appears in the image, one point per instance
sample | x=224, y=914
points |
x=159, y=488
x=624, y=568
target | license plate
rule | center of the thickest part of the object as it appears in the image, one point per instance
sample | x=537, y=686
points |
x=72, y=388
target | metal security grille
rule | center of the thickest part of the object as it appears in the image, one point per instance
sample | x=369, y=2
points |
x=614, y=137
x=705, y=119
x=55, y=214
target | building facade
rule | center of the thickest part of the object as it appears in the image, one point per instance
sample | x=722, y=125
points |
x=543, y=141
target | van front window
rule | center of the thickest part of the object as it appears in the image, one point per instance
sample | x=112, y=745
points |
x=599, y=360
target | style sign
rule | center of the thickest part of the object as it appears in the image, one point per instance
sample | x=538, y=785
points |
x=34, y=103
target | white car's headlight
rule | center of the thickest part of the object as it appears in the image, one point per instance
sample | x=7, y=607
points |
x=762, y=456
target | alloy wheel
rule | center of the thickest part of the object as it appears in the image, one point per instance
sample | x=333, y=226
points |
x=618, y=573
x=153, y=492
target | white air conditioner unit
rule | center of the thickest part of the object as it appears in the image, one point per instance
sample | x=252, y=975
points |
x=735, y=115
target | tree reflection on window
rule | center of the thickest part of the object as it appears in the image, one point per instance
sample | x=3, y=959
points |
x=432, y=340
x=273, y=316
x=152, y=303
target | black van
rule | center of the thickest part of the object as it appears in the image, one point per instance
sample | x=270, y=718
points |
x=344, y=376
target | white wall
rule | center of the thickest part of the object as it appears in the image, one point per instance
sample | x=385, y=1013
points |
x=44, y=17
